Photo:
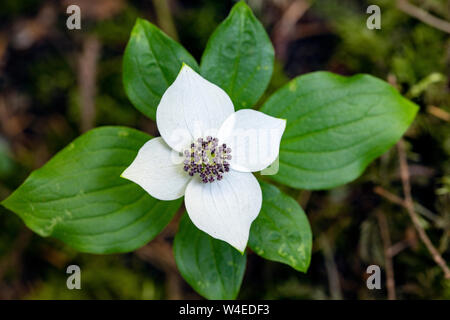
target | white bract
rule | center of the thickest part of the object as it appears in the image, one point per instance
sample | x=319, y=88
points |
x=207, y=152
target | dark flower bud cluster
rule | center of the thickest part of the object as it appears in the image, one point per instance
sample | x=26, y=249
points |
x=208, y=159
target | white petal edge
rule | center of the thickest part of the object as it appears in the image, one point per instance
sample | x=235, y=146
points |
x=254, y=139
x=158, y=171
x=225, y=209
x=191, y=107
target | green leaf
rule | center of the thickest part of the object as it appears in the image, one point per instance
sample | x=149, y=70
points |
x=151, y=63
x=212, y=267
x=239, y=57
x=80, y=198
x=281, y=232
x=335, y=127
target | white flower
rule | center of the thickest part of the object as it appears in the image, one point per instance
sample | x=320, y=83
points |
x=207, y=152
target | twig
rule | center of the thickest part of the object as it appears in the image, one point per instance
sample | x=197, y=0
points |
x=423, y=16
x=390, y=196
x=160, y=254
x=409, y=204
x=87, y=74
x=386, y=238
x=165, y=19
x=332, y=271
x=399, y=247
x=310, y=29
x=303, y=198
x=397, y=200
x=284, y=28
x=439, y=113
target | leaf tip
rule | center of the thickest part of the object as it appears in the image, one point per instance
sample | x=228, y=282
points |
x=5, y=201
x=140, y=20
x=241, y=5
x=137, y=22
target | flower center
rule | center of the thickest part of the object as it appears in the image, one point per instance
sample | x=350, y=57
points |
x=208, y=159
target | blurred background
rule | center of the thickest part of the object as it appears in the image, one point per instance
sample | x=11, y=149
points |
x=57, y=83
